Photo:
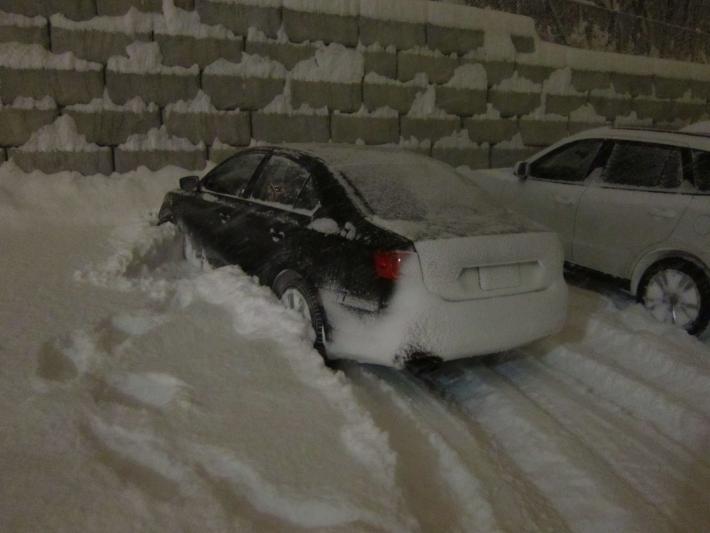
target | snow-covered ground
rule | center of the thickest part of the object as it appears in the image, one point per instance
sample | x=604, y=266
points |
x=141, y=393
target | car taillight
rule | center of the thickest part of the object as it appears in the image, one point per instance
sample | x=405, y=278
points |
x=389, y=262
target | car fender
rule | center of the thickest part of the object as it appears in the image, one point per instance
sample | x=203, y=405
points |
x=166, y=211
x=281, y=262
x=653, y=255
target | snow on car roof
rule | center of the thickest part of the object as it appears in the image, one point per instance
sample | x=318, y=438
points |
x=685, y=139
x=414, y=195
x=337, y=155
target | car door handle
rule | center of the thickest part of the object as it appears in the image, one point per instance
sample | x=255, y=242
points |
x=276, y=235
x=660, y=212
x=563, y=200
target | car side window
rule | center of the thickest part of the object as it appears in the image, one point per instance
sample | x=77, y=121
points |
x=308, y=198
x=233, y=175
x=281, y=182
x=571, y=163
x=644, y=165
x=700, y=167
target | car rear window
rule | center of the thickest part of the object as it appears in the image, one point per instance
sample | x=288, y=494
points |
x=412, y=188
x=281, y=181
x=701, y=169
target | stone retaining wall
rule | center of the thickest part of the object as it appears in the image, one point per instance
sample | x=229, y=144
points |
x=410, y=89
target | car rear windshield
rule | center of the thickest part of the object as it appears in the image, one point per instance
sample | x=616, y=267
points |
x=413, y=188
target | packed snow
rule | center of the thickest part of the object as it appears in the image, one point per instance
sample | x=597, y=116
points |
x=251, y=66
x=145, y=58
x=60, y=136
x=420, y=80
x=159, y=139
x=20, y=21
x=134, y=105
x=458, y=140
x=25, y=102
x=202, y=103
x=132, y=23
x=469, y=76
x=424, y=106
x=141, y=392
x=518, y=84
x=333, y=63
x=282, y=104
x=35, y=57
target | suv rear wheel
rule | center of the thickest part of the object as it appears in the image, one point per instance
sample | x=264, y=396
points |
x=297, y=294
x=678, y=292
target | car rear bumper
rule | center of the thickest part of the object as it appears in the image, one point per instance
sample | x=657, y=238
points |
x=426, y=323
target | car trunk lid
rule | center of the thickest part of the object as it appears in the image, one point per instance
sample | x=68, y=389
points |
x=485, y=266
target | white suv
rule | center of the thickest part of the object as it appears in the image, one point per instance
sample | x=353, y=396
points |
x=631, y=203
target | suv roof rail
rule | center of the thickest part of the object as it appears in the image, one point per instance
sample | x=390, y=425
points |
x=661, y=130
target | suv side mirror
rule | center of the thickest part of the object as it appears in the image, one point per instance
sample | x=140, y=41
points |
x=522, y=169
x=190, y=183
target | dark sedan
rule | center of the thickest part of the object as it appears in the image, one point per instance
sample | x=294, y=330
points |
x=389, y=254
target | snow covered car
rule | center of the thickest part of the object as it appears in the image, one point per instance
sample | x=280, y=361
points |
x=631, y=203
x=390, y=255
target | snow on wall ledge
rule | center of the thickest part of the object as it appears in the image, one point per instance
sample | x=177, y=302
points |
x=408, y=72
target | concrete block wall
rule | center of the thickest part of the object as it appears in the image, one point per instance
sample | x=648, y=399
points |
x=408, y=90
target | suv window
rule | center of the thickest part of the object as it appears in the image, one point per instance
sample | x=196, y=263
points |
x=644, y=165
x=700, y=167
x=571, y=162
x=233, y=175
x=281, y=182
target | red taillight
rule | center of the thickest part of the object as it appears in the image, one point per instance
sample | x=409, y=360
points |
x=388, y=263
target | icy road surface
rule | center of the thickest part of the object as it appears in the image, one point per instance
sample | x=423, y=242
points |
x=140, y=393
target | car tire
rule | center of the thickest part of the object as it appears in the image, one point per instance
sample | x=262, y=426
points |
x=677, y=291
x=193, y=253
x=297, y=294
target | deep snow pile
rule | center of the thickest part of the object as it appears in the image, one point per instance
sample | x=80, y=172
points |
x=140, y=392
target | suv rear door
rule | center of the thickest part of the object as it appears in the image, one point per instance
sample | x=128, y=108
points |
x=635, y=204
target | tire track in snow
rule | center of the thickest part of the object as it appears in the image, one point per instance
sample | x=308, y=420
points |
x=645, y=401
x=472, y=487
x=433, y=502
x=660, y=474
x=585, y=494
x=657, y=353
x=470, y=462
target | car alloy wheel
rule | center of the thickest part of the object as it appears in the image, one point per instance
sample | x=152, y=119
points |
x=673, y=296
x=677, y=292
x=297, y=294
x=193, y=253
x=293, y=299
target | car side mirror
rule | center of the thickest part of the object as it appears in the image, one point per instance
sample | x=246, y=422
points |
x=190, y=183
x=522, y=169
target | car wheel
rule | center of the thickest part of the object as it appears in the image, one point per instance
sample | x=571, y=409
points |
x=297, y=294
x=193, y=253
x=678, y=292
